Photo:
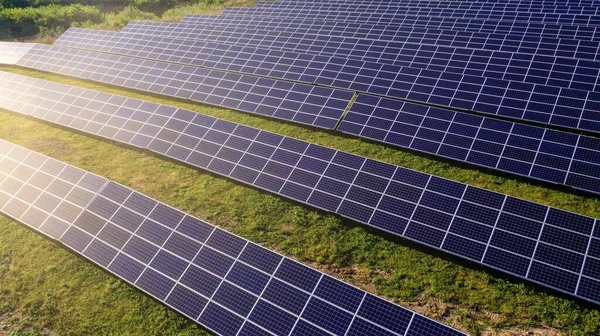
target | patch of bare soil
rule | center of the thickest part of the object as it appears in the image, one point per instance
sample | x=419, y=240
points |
x=49, y=146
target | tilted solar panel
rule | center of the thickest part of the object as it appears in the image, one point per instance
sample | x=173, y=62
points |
x=534, y=69
x=548, y=155
x=542, y=244
x=223, y=282
x=11, y=52
x=381, y=18
x=559, y=12
x=509, y=28
x=434, y=4
x=535, y=152
x=378, y=6
x=316, y=106
x=377, y=50
x=539, y=103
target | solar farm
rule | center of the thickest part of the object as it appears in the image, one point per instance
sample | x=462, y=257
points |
x=341, y=167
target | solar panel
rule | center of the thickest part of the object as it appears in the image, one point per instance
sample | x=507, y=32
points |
x=11, y=52
x=497, y=11
x=353, y=45
x=524, y=150
x=402, y=7
x=359, y=6
x=542, y=244
x=435, y=4
x=316, y=106
x=508, y=28
x=544, y=104
x=392, y=17
x=223, y=282
x=535, y=69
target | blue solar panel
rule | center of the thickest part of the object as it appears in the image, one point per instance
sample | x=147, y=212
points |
x=543, y=154
x=509, y=234
x=535, y=69
x=316, y=106
x=468, y=9
x=394, y=16
x=325, y=40
x=232, y=303
x=510, y=28
x=539, y=103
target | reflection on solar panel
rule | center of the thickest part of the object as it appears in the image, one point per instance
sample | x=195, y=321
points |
x=543, y=244
x=393, y=17
x=220, y=280
x=11, y=52
x=460, y=26
x=354, y=46
x=316, y=106
x=534, y=69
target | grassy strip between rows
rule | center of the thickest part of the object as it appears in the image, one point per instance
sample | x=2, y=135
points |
x=53, y=289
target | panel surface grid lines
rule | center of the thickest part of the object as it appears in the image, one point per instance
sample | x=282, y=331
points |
x=316, y=106
x=489, y=228
x=544, y=154
x=542, y=103
x=351, y=41
x=224, y=282
x=509, y=28
x=587, y=19
x=11, y=52
x=534, y=69
x=530, y=151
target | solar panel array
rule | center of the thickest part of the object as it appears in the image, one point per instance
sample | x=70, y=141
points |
x=335, y=41
x=554, y=164
x=393, y=16
x=504, y=84
x=11, y=52
x=224, y=282
x=543, y=244
x=316, y=106
x=531, y=151
x=460, y=26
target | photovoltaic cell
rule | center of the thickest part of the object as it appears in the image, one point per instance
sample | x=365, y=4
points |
x=316, y=106
x=228, y=306
x=493, y=229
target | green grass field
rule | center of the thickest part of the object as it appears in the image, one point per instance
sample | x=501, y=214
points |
x=47, y=290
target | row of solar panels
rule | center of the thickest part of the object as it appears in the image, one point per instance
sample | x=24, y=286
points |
x=266, y=64
x=224, y=282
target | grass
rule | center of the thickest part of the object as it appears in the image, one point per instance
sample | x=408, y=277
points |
x=61, y=292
